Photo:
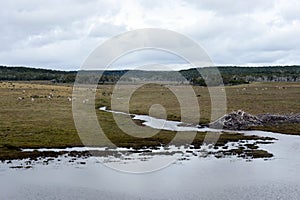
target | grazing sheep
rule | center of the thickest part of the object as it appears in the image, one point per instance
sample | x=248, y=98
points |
x=69, y=99
x=85, y=101
x=20, y=98
x=32, y=99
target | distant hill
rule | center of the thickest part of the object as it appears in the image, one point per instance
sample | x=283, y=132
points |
x=231, y=75
x=29, y=74
x=237, y=75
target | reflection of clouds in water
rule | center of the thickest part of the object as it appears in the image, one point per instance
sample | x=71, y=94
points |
x=204, y=178
x=130, y=157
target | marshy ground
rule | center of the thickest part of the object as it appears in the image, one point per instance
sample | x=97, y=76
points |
x=39, y=114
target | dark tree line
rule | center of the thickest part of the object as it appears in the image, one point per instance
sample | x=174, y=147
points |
x=30, y=74
x=230, y=75
x=242, y=75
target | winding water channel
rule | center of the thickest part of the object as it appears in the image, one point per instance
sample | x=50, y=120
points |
x=197, y=177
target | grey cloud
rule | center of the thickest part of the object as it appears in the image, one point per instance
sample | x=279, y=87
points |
x=106, y=30
x=63, y=33
x=232, y=7
x=146, y=57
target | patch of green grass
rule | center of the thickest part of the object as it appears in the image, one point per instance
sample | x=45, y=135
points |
x=49, y=123
x=254, y=98
x=290, y=128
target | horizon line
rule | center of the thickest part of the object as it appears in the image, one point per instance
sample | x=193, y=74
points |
x=130, y=69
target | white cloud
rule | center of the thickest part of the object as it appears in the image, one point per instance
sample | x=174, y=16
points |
x=61, y=34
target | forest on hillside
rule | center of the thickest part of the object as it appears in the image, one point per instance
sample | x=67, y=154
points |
x=231, y=75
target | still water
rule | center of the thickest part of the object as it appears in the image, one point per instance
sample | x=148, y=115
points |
x=206, y=178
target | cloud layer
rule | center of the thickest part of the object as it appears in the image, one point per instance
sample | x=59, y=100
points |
x=61, y=34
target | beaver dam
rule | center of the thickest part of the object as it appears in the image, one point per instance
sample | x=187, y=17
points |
x=240, y=120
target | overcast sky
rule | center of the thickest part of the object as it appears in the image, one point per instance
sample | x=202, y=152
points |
x=60, y=34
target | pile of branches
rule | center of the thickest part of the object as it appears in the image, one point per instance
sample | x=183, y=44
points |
x=240, y=120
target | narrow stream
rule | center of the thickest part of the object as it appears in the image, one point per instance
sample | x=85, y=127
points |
x=205, y=178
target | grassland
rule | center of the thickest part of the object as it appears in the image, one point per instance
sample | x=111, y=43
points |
x=30, y=119
x=255, y=98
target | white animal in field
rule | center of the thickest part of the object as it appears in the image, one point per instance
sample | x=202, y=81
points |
x=85, y=101
x=69, y=99
x=20, y=98
x=23, y=91
x=32, y=99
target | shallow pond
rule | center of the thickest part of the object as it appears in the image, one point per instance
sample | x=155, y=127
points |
x=198, y=177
